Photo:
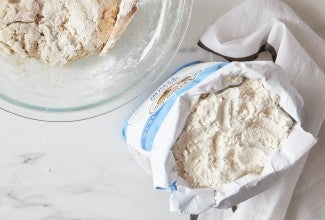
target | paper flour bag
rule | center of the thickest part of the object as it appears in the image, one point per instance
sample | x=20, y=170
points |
x=136, y=130
x=163, y=122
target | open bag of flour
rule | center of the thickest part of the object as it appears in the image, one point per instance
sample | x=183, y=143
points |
x=216, y=134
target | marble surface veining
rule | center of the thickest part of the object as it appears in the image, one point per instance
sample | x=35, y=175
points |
x=82, y=170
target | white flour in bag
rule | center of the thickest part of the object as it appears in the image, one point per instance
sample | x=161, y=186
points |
x=230, y=134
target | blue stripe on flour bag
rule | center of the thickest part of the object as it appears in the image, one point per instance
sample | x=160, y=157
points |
x=125, y=126
x=153, y=123
x=172, y=187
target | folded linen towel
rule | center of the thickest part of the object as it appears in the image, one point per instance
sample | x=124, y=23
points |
x=270, y=25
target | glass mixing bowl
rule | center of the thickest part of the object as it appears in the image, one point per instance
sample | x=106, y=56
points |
x=96, y=85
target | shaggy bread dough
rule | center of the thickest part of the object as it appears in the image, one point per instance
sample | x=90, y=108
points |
x=57, y=32
x=230, y=134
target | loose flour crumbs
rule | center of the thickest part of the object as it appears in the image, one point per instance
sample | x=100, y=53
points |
x=230, y=134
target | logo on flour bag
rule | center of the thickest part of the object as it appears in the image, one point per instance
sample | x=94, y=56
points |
x=158, y=99
x=164, y=98
x=168, y=89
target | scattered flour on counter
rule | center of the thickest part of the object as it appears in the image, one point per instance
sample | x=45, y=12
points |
x=230, y=134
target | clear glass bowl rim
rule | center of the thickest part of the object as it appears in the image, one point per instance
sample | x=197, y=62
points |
x=106, y=105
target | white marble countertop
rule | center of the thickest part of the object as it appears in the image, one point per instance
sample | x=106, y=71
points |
x=82, y=170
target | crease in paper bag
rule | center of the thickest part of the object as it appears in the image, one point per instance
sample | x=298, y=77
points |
x=195, y=201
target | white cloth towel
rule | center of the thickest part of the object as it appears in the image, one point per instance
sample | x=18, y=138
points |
x=259, y=25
